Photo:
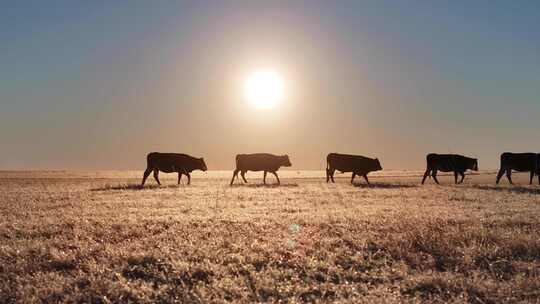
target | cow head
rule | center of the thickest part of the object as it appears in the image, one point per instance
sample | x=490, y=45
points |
x=285, y=161
x=377, y=165
x=474, y=164
x=202, y=164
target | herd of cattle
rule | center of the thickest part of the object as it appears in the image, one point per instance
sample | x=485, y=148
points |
x=184, y=164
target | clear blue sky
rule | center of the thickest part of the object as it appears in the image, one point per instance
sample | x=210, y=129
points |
x=98, y=84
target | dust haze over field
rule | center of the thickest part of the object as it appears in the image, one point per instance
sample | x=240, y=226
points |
x=98, y=237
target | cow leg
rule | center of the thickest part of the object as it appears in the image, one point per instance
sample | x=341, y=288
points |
x=462, y=177
x=327, y=175
x=264, y=178
x=499, y=175
x=509, y=176
x=145, y=176
x=367, y=180
x=235, y=174
x=156, y=173
x=426, y=174
x=332, y=171
x=188, y=178
x=179, y=177
x=243, y=174
x=352, y=178
x=277, y=177
x=532, y=176
x=435, y=177
x=455, y=176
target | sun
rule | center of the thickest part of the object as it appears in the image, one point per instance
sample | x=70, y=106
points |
x=264, y=88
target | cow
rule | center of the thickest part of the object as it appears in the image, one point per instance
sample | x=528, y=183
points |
x=449, y=163
x=521, y=162
x=358, y=165
x=172, y=162
x=260, y=162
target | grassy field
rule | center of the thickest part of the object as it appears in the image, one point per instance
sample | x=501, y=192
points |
x=97, y=237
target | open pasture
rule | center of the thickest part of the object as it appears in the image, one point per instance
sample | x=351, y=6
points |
x=97, y=237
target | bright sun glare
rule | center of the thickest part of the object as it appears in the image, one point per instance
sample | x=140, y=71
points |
x=264, y=88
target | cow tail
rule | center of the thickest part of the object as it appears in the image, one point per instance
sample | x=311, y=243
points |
x=427, y=166
x=236, y=161
x=148, y=160
x=327, y=167
x=536, y=163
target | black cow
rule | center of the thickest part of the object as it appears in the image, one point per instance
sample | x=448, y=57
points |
x=449, y=163
x=172, y=162
x=521, y=162
x=358, y=165
x=259, y=162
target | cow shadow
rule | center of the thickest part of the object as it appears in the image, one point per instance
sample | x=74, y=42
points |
x=512, y=189
x=288, y=185
x=133, y=187
x=381, y=185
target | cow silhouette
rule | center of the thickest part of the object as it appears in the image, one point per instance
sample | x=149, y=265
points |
x=260, y=162
x=521, y=162
x=172, y=162
x=357, y=164
x=449, y=163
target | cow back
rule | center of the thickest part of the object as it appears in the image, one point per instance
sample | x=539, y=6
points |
x=258, y=162
x=173, y=162
x=450, y=162
x=352, y=163
x=520, y=161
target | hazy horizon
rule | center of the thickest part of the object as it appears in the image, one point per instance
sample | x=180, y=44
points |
x=94, y=85
x=419, y=170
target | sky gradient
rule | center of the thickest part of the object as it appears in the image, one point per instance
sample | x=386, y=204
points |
x=99, y=84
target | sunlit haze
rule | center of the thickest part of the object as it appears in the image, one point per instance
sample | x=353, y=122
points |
x=264, y=88
x=99, y=84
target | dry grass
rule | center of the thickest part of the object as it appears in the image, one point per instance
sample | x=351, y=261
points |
x=101, y=240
